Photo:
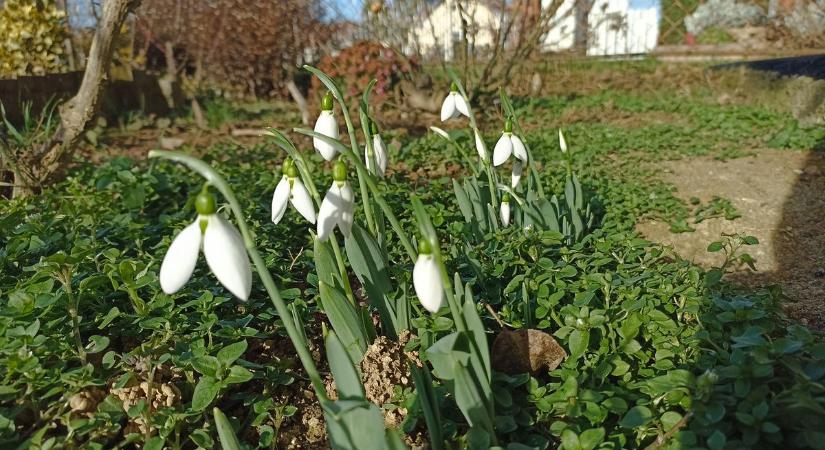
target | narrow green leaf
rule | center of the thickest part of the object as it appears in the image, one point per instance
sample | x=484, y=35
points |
x=347, y=378
x=225, y=432
x=345, y=320
x=368, y=263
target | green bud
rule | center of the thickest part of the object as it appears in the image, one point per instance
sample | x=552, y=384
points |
x=424, y=247
x=339, y=171
x=453, y=87
x=292, y=171
x=285, y=168
x=508, y=125
x=373, y=127
x=326, y=103
x=505, y=198
x=205, y=203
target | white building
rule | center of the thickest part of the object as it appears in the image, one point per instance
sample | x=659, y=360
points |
x=615, y=27
x=441, y=32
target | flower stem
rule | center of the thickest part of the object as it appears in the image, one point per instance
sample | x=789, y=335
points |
x=364, y=174
x=73, y=306
x=282, y=141
x=221, y=185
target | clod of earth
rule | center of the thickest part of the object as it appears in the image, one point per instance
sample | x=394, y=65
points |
x=526, y=350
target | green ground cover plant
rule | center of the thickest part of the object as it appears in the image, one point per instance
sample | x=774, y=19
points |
x=660, y=353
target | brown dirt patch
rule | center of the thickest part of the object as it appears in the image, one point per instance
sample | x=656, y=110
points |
x=608, y=113
x=780, y=195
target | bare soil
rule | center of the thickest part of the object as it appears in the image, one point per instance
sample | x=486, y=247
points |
x=781, y=196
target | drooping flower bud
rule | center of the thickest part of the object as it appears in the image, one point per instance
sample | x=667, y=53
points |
x=505, y=210
x=508, y=144
x=562, y=142
x=291, y=189
x=328, y=126
x=222, y=245
x=454, y=104
x=427, y=278
x=338, y=206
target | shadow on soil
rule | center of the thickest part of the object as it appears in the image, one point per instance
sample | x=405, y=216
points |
x=799, y=246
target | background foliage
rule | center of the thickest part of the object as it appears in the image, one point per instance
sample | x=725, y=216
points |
x=31, y=38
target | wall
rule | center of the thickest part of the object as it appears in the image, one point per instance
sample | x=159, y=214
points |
x=141, y=94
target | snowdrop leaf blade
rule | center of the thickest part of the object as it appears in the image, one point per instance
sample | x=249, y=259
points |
x=180, y=259
x=302, y=202
x=427, y=282
x=370, y=266
x=226, y=255
x=328, y=82
x=280, y=199
x=347, y=379
x=502, y=150
x=345, y=320
x=448, y=109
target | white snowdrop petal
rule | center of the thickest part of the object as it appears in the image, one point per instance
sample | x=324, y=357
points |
x=301, y=201
x=226, y=255
x=516, y=174
x=482, y=153
x=180, y=259
x=461, y=104
x=502, y=150
x=448, y=110
x=280, y=199
x=519, y=150
x=380, y=154
x=440, y=132
x=347, y=210
x=427, y=283
x=562, y=142
x=328, y=126
x=330, y=212
x=368, y=161
x=505, y=214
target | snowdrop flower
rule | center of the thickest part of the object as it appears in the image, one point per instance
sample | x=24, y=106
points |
x=453, y=105
x=480, y=147
x=505, y=210
x=291, y=189
x=379, y=156
x=516, y=174
x=338, y=207
x=427, y=278
x=222, y=246
x=328, y=126
x=562, y=142
x=508, y=144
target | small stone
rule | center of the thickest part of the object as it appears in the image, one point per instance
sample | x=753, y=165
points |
x=526, y=350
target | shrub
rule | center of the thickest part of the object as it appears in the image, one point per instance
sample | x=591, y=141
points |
x=356, y=65
x=32, y=38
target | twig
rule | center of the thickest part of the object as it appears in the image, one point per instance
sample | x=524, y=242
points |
x=237, y=132
x=663, y=438
x=493, y=313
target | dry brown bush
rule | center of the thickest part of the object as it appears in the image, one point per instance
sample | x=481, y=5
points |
x=241, y=46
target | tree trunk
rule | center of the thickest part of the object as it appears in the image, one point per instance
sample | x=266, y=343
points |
x=300, y=101
x=49, y=162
